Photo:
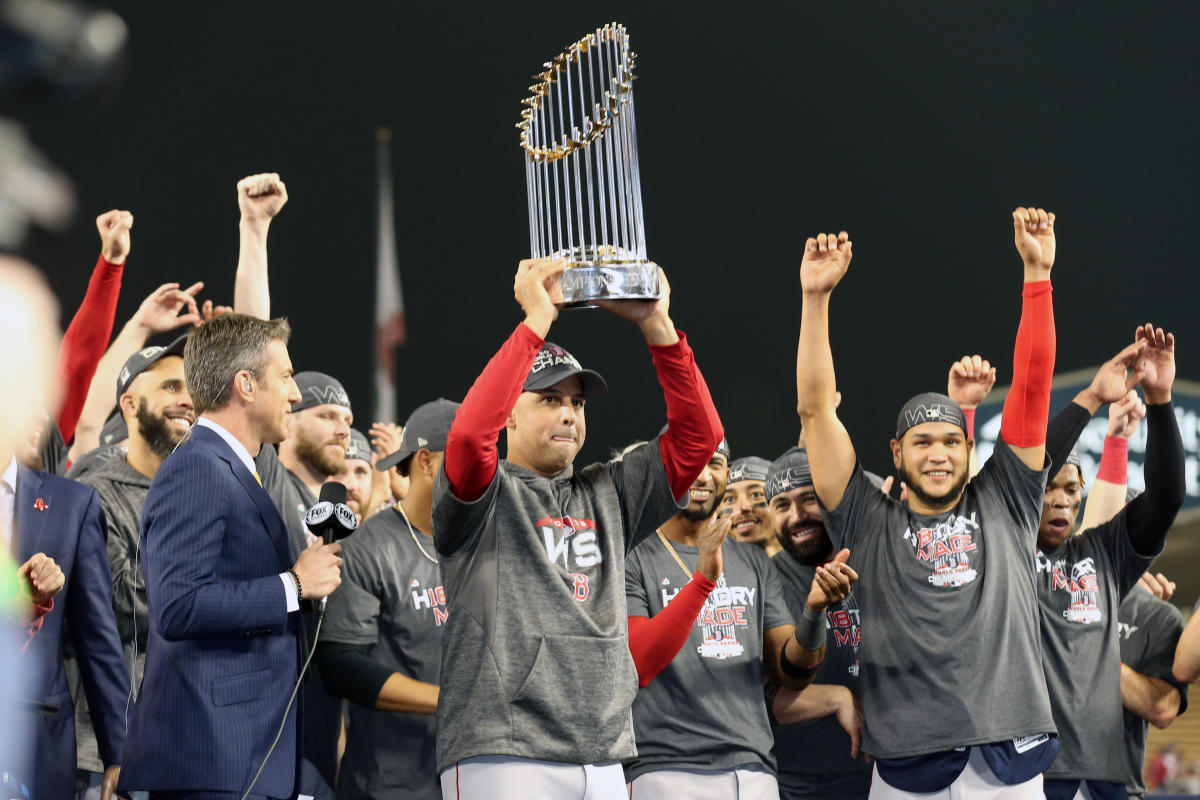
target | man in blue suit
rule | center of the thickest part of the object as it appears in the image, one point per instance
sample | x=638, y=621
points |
x=223, y=653
x=45, y=514
x=62, y=519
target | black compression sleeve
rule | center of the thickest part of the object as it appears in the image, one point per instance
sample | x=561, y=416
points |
x=347, y=670
x=1063, y=432
x=1150, y=515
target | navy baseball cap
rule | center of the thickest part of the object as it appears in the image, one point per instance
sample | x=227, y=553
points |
x=318, y=389
x=143, y=359
x=554, y=364
x=427, y=428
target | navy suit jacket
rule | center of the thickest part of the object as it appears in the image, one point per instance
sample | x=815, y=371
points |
x=223, y=652
x=63, y=519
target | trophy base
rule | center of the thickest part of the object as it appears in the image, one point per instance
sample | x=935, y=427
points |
x=582, y=283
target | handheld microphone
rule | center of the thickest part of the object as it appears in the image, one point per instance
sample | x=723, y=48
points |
x=331, y=518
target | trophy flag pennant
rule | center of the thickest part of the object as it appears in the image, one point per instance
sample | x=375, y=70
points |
x=390, y=331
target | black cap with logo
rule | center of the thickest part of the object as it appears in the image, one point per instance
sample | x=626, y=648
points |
x=426, y=429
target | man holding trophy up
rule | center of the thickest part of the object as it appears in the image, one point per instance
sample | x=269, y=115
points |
x=537, y=679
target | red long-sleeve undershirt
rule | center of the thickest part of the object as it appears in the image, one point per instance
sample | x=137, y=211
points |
x=471, y=456
x=85, y=341
x=655, y=641
x=1027, y=406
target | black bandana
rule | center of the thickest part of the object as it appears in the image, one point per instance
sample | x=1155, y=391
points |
x=929, y=407
x=750, y=468
x=789, y=471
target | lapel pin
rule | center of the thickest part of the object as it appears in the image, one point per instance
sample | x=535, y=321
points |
x=40, y=504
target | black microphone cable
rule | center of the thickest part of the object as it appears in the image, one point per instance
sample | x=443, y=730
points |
x=331, y=519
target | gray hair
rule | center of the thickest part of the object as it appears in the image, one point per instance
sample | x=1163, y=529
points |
x=217, y=350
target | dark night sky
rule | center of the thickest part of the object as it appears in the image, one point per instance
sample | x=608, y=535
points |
x=917, y=127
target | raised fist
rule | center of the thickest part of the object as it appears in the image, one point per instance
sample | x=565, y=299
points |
x=1033, y=233
x=261, y=196
x=114, y=229
x=826, y=259
x=970, y=380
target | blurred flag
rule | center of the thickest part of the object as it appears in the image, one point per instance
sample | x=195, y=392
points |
x=389, y=300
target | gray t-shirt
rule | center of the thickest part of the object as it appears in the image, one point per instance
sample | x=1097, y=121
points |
x=536, y=649
x=951, y=649
x=814, y=756
x=1080, y=587
x=391, y=598
x=1148, y=630
x=705, y=709
x=122, y=491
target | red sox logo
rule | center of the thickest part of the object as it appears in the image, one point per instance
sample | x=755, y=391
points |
x=572, y=543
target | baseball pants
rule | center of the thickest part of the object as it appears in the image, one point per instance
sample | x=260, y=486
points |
x=976, y=782
x=728, y=784
x=511, y=778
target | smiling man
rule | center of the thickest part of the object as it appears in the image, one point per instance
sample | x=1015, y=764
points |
x=154, y=402
x=704, y=612
x=817, y=758
x=746, y=501
x=953, y=692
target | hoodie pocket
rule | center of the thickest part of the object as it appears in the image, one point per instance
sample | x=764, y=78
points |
x=578, y=693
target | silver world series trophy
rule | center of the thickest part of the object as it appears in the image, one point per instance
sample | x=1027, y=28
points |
x=581, y=171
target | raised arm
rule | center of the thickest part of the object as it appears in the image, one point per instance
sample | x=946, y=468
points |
x=260, y=198
x=471, y=457
x=1149, y=516
x=1027, y=406
x=168, y=307
x=1112, y=382
x=968, y=384
x=1107, y=495
x=830, y=451
x=693, y=427
x=91, y=327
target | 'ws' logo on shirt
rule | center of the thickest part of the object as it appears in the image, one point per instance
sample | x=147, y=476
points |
x=571, y=542
x=947, y=547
